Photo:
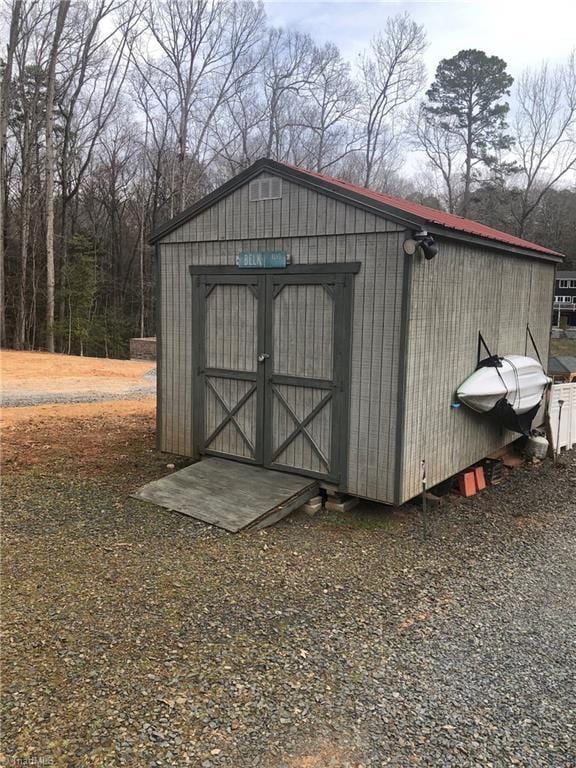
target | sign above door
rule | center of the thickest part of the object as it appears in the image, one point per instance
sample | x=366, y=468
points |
x=262, y=260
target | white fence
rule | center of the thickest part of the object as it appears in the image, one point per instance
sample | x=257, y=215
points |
x=562, y=407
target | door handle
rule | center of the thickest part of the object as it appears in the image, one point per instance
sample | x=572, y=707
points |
x=263, y=356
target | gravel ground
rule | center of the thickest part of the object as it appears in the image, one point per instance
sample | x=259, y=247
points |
x=41, y=378
x=136, y=637
x=22, y=399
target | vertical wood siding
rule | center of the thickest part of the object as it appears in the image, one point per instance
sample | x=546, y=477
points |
x=299, y=452
x=452, y=297
x=459, y=293
x=233, y=310
x=303, y=335
x=299, y=212
x=303, y=346
x=229, y=439
x=175, y=291
x=375, y=335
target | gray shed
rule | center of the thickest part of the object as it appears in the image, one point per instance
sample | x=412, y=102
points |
x=296, y=333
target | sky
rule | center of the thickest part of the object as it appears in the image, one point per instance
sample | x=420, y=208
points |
x=522, y=32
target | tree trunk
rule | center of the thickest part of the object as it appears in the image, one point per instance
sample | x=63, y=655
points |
x=143, y=209
x=4, y=112
x=182, y=142
x=63, y=258
x=369, y=157
x=50, y=90
x=468, y=162
x=20, y=335
x=467, y=182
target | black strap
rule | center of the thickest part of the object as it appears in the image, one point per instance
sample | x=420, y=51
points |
x=492, y=361
x=529, y=333
x=482, y=343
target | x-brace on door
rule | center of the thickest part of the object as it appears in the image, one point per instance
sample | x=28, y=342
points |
x=272, y=358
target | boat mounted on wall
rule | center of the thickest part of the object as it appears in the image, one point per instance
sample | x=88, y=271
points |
x=510, y=389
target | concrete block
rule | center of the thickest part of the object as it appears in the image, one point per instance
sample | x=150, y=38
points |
x=434, y=501
x=311, y=509
x=143, y=349
x=341, y=504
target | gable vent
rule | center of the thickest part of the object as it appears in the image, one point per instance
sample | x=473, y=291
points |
x=267, y=188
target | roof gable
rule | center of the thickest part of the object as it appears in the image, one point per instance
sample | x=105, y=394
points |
x=401, y=211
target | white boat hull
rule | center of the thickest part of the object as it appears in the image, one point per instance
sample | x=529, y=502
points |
x=520, y=380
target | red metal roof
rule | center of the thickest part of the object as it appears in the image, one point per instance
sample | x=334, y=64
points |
x=431, y=215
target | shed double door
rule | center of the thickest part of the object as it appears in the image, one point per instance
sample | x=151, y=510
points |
x=272, y=358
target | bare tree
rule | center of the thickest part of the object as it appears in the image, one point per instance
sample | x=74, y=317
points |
x=391, y=75
x=159, y=112
x=95, y=66
x=5, y=87
x=287, y=72
x=442, y=148
x=238, y=135
x=63, y=7
x=206, y=52
x=329, y=102
x=27, y=123
x=545, y=133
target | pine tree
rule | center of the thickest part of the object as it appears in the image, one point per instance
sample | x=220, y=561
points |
x=80, y=294
x=467, y=99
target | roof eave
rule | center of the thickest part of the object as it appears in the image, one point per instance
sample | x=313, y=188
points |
x=493, y=245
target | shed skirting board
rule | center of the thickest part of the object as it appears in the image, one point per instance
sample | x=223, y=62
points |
x=453, y=297
x=375, y=353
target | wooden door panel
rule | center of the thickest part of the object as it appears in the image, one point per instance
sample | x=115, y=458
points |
x=230, y=416
x=231, y=331
x=303, y=335
x=229, y=397
x=307, y=333
x=302, y=427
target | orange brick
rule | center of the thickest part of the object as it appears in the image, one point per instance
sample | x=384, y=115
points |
x=480, y=479
x=467, y=483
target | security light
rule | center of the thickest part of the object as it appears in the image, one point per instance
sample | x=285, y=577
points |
x=427, y=243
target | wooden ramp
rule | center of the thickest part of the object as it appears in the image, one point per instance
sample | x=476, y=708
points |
x=229, y=494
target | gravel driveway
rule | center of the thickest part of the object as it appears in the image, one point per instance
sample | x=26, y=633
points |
x=41, y=378
x=18, y=398
x=135, y=637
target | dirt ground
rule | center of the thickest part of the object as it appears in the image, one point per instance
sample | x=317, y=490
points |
x=133, y=636
x=30, y=378
x=89, y=435
x=38, y=370
x=103, y=438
